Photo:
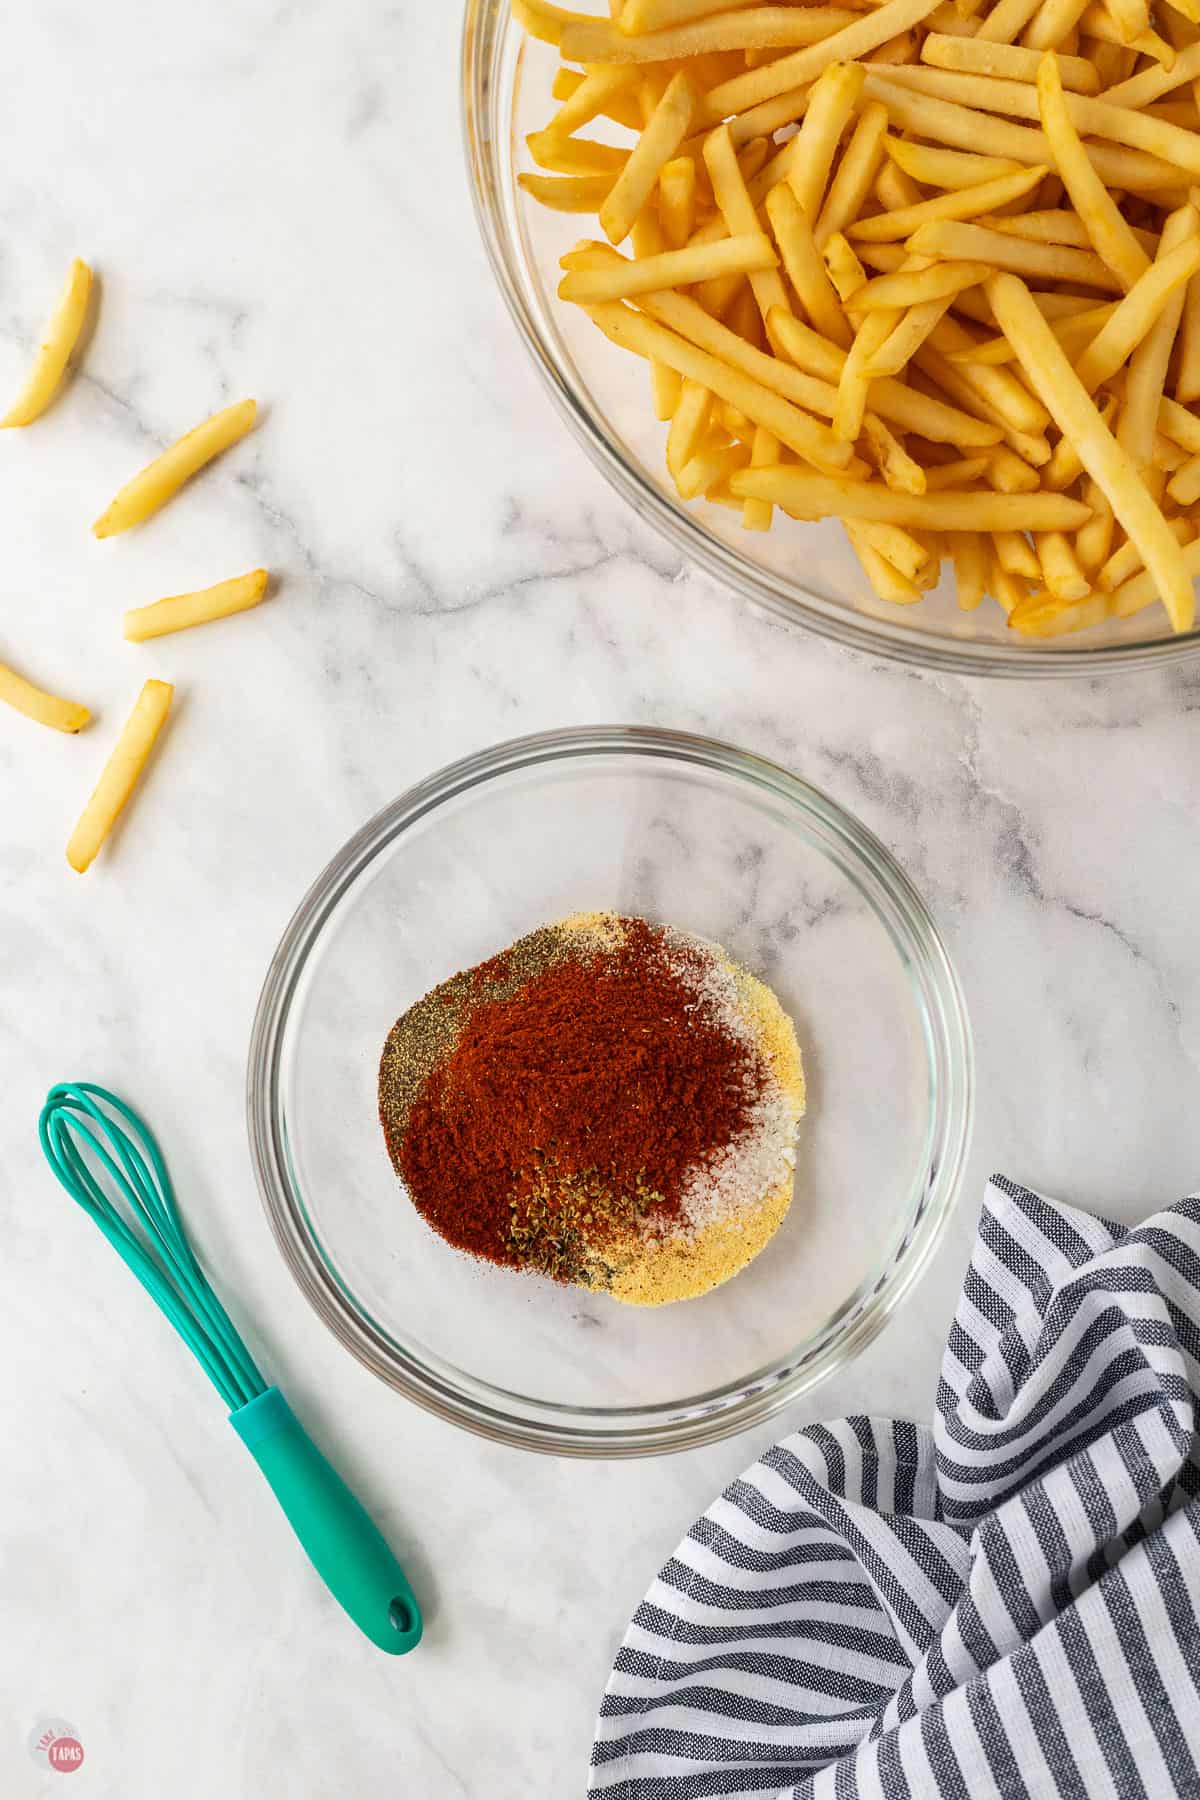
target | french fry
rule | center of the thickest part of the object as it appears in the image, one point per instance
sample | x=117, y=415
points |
x=688, y=425
x=36, y=704
x=963, y=127
x=915, y=287
x=154, y=485
x=1006, y=21
x=1112, y=237
x=886, y=580
x=651, y=15
x=677, y=201
x=1060, y=568
x=899, y=547
x=856, y=172
x=184, y=610
x=845, y=270
x=120, y=773
x=741, y=215
x=576, y=155
x=962, y=203
x=906, y=338
x=1093, y=118
x=935, y=167
x=1148, y=364
x=1053, y=23
x=1124, y=563
x=968, y=553
x=831, y=105
x=711, y=466
x=54, y=352
x=758, y=28
x=665, y=131
x=567, y=193
x=1151, y=84
x=1093, y=540
x=1016, y=554
x=857, y=40
x=1076, y=416
x=1011, y=62
x=809, y=496
x=674, y=268
x=1135, y=315
x=757, y=514
x=544, y=21
x=805, y=267
x=951, y=238
x=798, y=430
x=964, y=471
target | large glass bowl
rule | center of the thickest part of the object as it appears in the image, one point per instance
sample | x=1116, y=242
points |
x=677, y=829
x=804, y=573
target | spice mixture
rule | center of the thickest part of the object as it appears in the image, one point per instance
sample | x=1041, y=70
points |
x=610, y=1103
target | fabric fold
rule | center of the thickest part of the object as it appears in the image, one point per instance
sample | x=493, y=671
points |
x=1006, y=1604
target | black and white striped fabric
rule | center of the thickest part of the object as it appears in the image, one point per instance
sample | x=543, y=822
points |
x=1005, y=1606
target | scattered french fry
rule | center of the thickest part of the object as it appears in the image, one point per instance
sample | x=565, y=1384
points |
x=36, y=704
x=120, y=773
x=54, y=352
x=162, y=478
x=181, y=611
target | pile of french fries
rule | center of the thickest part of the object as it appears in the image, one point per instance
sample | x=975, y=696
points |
x=142, y=496
x=930, y=267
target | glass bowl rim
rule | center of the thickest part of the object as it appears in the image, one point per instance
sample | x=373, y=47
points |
x=642, y=1430
x=874, y=636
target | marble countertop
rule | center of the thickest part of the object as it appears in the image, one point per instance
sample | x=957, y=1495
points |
x=273, y=196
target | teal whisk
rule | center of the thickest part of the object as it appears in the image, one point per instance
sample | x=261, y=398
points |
x=98, y=1146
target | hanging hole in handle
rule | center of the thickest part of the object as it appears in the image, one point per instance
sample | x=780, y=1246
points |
x=399, y=1616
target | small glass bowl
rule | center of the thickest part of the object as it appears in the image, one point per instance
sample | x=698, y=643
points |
x=806, y=574
x=677, y=829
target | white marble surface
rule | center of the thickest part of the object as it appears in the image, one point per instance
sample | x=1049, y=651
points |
x=274, y=197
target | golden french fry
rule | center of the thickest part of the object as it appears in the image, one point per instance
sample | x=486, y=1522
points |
x=899, y=470
x=895, y=545
x=845, y=271
x=54, y=352
x=887, y=581
x=544, y=21
x=962, y=472
x=688, y=425
x=1076, y=416
x=120, y=773
x=757, y=514
x=36, y=704
x=741, y=215
x=1091, y=118
x=567, y=193
x=805, y=267
x=968, y=553
x=665, y=131
x=677, y=201
x=183, y=610
x=809, y=496
x=673, y=268
x=857, y=40
x=762, y=28
x=1006, y=21
x=1060, y=568
x=1016, y=554
x=1125, y=562
x=154, y=485
x=1148, y=365
x=906, y=338
x=711, y=466
x=1135, y=315
x=857, y=171
x=958, y=239
x=1107, y=228
x=576, y=155
x=1141, y=90
x=934, y=167
x=907, y=407
x=832, y=103
x=962, y=203
x=807, y=436
x=915, y=287
x=977, y=56
x=651, y=15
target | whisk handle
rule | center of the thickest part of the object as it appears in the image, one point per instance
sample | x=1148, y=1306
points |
x=343, y=1544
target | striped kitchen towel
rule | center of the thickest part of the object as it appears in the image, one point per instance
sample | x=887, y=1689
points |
x=1004, y=1606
